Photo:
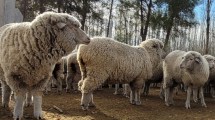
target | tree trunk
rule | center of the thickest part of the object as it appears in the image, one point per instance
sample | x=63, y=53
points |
x=110, y=16
x=208, y=27
x=141, y=19
x=24, y=4
x=41, y=6
x=84, y=13
x=168, y=33
x=147, y=20
x=59, y=4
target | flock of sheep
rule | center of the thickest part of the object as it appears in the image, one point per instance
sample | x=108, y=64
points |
x=32, y=53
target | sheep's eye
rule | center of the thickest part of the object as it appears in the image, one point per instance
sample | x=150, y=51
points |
x=182, y=57
x=191, y=58
x=154, y=46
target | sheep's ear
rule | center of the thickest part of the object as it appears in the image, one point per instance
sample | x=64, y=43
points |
x=61, y=25
x=197, y=60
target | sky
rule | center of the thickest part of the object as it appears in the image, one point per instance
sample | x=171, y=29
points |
x=200, y=11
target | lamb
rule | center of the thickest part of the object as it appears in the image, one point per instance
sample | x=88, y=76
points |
x=73, y=72
x=29, y=52
x=105, y=59
x=190, y=68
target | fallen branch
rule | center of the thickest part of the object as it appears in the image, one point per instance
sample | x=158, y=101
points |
x=58, y=109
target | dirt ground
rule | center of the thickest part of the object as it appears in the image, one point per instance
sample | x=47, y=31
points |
x=110, y=107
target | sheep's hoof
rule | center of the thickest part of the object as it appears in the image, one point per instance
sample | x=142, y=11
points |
x=137, y=103
x=17, y=118
x=38, y=115
x=91, y=105
x=67, y=90
x=127, y=96
x=84, y=107
x=187, y=106
x=167, y=104
x=133, y=102
x=204, y=105
x=5, y=105
x=116, y=93
x=59, y=92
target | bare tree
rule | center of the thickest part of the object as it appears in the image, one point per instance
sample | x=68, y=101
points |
x=110, y=16
x=208, y=26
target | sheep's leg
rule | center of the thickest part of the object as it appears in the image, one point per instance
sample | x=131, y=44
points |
x=132, y=95
x=48, y=86
x=59, y=85
x=6, y=92
x=109, y=86
x=116, y=89
x=85, y=100
x=126, y=90
x=201, y=95
x=28, y=99
x=167, y=94
x=189, y=91
x=69, y=83
x=91, y=103
x=19, y=104
x=171, y=102
x=162, y=96
x=137, y=97
x=37, y=100
x=212, y=92
x=195, y=92
x=146, y=88
x=75, y=87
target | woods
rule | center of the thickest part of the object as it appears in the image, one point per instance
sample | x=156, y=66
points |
x=184, y=24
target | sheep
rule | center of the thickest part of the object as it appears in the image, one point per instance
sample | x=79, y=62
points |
x=59, y=73
x=29, y=52
x=157, y=77
x=73, y=72
x=211, y=81
x=106, y=59
x=190, y=68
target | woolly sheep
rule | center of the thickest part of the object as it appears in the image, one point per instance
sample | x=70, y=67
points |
x=190, y=68
x=211, y=79
x=106, y=59
x=29, y=51
x=73, y=72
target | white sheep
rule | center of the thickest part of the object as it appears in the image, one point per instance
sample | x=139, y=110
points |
x=190, y=68
x=29, y=51
x=211, y=79
x=106, y=59
x=73, y=72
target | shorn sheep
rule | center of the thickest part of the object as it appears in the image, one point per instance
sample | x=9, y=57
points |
x=73, y=72
x=190, y=68
x=29, y=52
x=106, y=59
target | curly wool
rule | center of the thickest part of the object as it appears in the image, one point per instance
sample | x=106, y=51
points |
x=30, y=50
x=106, y=59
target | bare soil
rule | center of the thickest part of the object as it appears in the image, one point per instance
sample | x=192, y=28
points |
x=110, y=107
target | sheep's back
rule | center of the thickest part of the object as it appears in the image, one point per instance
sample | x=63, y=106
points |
x=120, y=61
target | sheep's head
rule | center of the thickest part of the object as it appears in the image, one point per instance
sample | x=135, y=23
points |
x=61, y=28
x=211, y=61
x=190, y=60
x=155, y=49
